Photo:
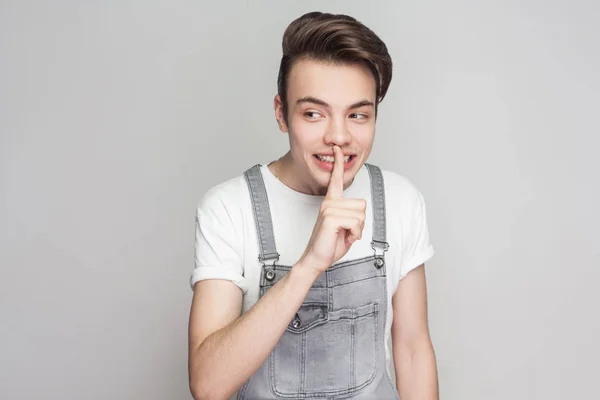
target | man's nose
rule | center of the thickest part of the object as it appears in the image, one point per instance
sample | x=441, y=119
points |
x=338, y=134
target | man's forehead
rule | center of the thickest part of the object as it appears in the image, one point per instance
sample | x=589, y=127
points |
x=334, y=84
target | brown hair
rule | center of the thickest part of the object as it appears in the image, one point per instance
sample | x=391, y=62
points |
x=334, y=38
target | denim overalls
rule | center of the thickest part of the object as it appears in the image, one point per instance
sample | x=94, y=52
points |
x=334, y=346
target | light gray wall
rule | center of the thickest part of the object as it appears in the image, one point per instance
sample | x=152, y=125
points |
x=116, y=117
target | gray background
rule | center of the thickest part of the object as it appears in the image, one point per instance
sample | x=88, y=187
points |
x=116, y=117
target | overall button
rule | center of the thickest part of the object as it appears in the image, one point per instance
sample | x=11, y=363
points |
x=379, y=262
x=270, y=275
x=296, y=322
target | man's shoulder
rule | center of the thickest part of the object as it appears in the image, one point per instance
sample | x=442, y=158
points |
x=398, y=183
x=399, y=189
x=226, y=195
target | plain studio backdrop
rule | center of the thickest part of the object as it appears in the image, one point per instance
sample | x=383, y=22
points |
x=117, y=116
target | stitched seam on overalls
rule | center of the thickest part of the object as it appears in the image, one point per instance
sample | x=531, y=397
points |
x=255, y=208
x=357, y=280
x=267, y=209
x=352, y=355
x=303, y=364
x=329, y=290
x=378, y=192
x=349, y=263
x=262, y=215
x=333, y=267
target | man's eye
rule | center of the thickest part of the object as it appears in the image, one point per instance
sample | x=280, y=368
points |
x=358, y=116
x=312, y=114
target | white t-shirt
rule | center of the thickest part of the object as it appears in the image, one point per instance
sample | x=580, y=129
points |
x=227, y=243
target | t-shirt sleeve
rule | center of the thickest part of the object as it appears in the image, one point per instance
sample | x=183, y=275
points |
x=218, y=249
x=417, y=247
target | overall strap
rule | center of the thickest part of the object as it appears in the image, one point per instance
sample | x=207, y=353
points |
x=262, y=215
x=378, y=198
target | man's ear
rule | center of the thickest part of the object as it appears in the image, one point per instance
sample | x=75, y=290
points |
x=279, y=115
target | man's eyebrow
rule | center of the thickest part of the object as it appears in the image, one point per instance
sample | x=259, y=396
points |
x=310, y=99
x=362, y=103
x=314, y=100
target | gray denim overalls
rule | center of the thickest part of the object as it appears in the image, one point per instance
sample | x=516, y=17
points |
x=334, y=346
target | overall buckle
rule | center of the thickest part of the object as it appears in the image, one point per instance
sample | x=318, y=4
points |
x=270, y=269
x=379, y=258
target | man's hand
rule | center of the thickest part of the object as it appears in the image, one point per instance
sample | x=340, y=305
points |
x=340, y=222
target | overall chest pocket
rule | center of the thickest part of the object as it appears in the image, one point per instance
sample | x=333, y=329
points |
x=326, y=352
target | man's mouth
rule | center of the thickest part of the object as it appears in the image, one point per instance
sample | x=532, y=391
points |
x=330, y=159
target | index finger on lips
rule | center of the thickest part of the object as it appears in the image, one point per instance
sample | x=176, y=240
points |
x=335, y=190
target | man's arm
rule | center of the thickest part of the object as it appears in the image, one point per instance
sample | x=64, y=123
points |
x=226, y=349
x=414, y=357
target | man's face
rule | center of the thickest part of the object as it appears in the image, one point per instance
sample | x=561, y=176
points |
x=327, y=105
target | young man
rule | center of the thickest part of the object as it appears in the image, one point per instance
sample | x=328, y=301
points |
x=305, y=267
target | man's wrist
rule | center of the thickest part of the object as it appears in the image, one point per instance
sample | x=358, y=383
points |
x=304, y=274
